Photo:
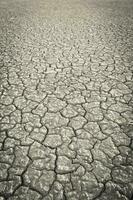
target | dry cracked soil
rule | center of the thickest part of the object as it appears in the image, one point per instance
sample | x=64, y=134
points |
x=66, y=116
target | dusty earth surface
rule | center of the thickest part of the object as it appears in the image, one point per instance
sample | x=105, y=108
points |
x=66, y=100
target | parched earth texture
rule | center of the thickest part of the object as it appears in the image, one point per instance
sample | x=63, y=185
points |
x=66, y=107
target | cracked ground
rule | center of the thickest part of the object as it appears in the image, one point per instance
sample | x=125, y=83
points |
x=66, y=100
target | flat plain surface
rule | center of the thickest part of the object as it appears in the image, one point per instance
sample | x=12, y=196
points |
x=66, y=100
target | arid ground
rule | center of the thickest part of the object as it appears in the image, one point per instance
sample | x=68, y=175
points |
x=66, y=107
